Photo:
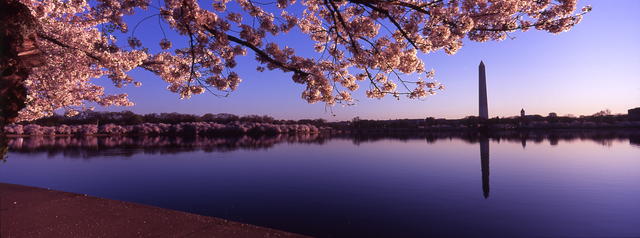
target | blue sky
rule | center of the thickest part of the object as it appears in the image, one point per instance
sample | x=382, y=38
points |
x=594, y=66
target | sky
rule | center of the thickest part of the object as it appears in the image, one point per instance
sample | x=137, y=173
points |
x=594, y=66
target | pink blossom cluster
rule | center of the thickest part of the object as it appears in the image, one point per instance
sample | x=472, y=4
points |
x=378, y=42
x=37, y=130
x=185, y=128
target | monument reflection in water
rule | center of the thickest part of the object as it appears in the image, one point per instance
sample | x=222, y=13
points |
x=484, y=164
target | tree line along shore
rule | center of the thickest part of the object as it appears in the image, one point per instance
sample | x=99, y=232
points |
x=129, y=123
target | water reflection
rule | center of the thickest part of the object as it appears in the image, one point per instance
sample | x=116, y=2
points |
x=484, y=164
x=4, y=148
x=543, y=184
x=603, y=137
x=91, y=146
x=95, y=147
x=634, y=140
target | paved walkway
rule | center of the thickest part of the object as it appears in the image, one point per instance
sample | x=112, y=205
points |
x=35, y=212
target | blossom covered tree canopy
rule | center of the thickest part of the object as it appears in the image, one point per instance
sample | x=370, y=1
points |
x=376, y=41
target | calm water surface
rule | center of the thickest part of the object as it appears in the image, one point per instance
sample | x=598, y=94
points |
x=354, y=187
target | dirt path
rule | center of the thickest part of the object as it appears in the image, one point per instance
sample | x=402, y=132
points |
x=35, y=212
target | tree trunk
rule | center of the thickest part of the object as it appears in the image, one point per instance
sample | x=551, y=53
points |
x=19, y=53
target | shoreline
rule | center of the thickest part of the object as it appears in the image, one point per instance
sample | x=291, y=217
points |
x=37, y=212
x=352, y=131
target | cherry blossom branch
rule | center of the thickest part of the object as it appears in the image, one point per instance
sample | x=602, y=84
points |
x=392, y=20
x=346, y=34
x=59, y=43
x=263, y=55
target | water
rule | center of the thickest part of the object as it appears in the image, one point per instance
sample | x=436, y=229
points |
x=560, y=185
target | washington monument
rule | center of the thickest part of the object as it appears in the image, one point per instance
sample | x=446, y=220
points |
x=482, y=87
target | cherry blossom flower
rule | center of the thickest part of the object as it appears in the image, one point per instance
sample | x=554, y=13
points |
x=378, y=42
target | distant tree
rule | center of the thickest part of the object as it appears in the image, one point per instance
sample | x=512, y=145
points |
x=320, y=121
x=226, y=118
x=316, y=122
x=131, y=118
x=429, y=121
x=605, y=112
x=357, y=40
x=208, y=117
x=552, y=117
x=471, y=121
x=251, y=118
x=152, y=118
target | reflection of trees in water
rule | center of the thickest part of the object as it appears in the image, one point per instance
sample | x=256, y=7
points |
x=553, y=137
x=92, y=146
x=4, y=148
x=635, y=140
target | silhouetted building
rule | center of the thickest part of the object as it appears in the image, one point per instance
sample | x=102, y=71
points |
x=482, y=88
x=522, y=112
x=553, y=114
x=634, y=114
